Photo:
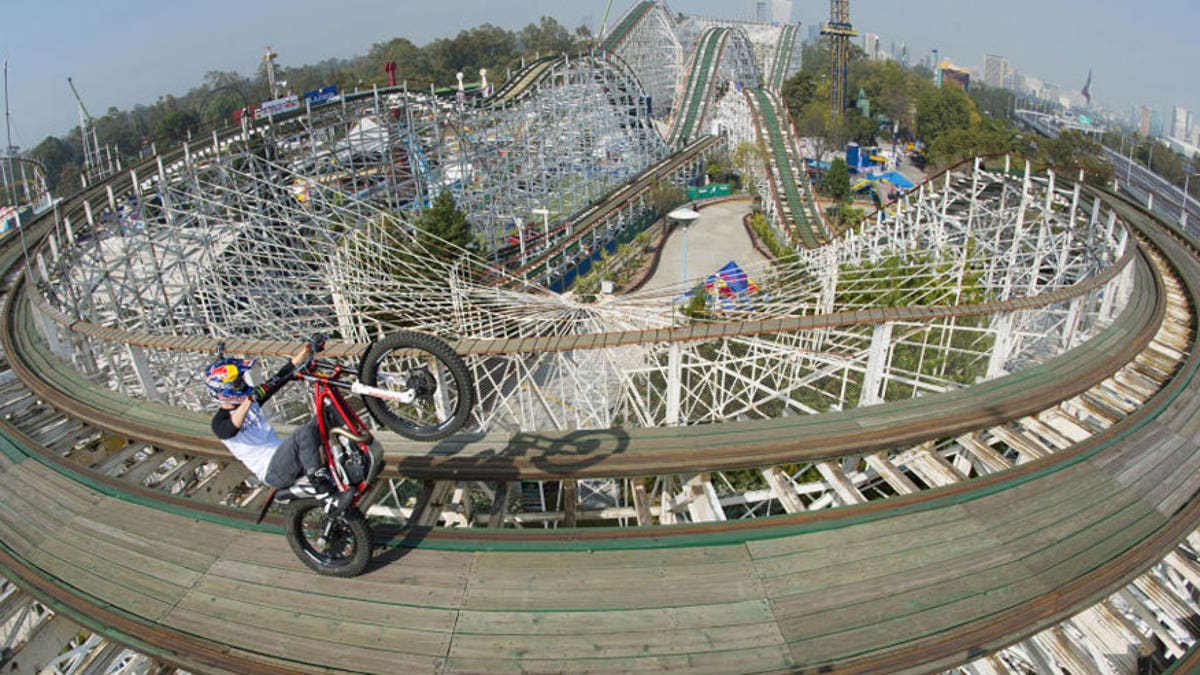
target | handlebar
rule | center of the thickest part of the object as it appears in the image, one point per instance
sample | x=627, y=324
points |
x=316, y=343
x=309, y=369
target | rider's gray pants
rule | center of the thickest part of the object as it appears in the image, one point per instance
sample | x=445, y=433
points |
x=299, y=454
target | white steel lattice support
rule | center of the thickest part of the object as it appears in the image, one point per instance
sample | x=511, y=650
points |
x=1018, y=231
x=1156, y=626
x=878, y=355
x=137, y=359
x=783, y=489
x=1003, y=330
x=1075, y=197
x=81, y=653
x=666, y=513
x=702, y=502
x=50, y=331
x=1100, y=631
x=1037, y=658
x=978, y=167
x=674, y=384
x=45, y=642
x=1065, y=652
x=1171, y=610
x=840, y=484
x=1074, y=316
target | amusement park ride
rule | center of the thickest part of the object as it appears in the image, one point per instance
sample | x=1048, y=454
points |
x=929, y=442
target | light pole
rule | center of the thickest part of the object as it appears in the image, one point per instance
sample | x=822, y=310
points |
x=545, y=214
x=1186, y=196
x=1129, y=164
x=520, y=237
x=684, y=215
x=684, y=265
x=269, y=59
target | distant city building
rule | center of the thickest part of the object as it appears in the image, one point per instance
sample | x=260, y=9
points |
x=1181, y=123
x=1143, y=120
x=902, y=57
x=1158, y=126
x=1016, y=81
x=954, y=75
x=781, y=11
x=761, y=11
x=871, y=46
x=995, y=70
x=814, y=33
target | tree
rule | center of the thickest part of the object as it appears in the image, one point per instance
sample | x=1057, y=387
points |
x=443, y=220
x=413, y=64
x=992, y=102
x=55, y=154
x=940, y=110
x=799, y=90
x=696, y=307
x=837, y=179
x=546, y=37
x=890, y=88
x=987, y=138
x=746, y=156
x=860, y=128
x=175, y=126
x=664, y=196
x=487, y=47
x=820, y=136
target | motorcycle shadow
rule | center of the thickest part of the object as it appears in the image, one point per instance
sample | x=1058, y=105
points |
x=466, y=457
x=523, y=455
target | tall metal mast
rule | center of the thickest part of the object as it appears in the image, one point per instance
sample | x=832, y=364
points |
x=12, y=178
x=839, y=31
x=93, y=165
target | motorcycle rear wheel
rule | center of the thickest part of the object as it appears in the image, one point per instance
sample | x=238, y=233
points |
x=347, y=550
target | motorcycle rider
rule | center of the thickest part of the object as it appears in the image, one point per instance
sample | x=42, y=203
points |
x=243, y=428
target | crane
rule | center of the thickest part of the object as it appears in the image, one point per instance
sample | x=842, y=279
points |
x=94, y=166
x=82, y=108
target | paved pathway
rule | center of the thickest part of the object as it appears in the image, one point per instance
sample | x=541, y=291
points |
x=714, y=239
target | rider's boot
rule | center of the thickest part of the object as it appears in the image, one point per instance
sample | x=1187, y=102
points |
x=322, y=483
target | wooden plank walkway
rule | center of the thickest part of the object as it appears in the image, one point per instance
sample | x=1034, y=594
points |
x=796, y=592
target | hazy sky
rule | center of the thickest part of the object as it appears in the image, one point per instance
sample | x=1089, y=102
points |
x=125, y=52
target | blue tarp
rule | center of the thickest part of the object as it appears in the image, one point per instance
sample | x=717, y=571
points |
x=895, y=178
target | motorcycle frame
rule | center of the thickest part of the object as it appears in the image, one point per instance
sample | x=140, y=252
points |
x=325, y=388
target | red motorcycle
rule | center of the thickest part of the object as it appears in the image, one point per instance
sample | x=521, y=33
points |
x=412, y=383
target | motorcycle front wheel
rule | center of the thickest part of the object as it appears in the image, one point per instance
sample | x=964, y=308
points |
x=432, y=378
x=333, y=545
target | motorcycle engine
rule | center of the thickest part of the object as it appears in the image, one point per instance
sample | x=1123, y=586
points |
x=354, y=463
